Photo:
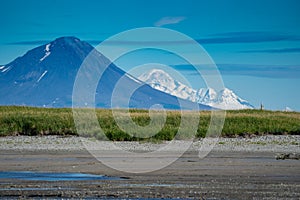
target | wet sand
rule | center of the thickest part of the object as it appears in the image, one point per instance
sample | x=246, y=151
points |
x=221, y=175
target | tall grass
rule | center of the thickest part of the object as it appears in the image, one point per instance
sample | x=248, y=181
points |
x=59, y=121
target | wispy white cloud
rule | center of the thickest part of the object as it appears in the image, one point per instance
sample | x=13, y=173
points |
x=282, y=50
x=268, y=71
x=169, y=20
x=221, y=38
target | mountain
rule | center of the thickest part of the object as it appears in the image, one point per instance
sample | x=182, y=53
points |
x=45, y=76
x=224, y=99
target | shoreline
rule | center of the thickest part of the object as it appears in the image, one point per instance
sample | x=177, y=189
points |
x=266, y=143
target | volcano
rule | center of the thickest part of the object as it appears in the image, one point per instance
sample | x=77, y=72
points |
x=45, y=75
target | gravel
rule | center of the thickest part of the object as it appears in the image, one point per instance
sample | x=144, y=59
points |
x=267, y=143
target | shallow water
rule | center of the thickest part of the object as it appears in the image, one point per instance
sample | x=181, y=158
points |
x=52, y=176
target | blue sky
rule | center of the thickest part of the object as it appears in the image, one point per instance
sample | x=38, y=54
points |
x=255, y=44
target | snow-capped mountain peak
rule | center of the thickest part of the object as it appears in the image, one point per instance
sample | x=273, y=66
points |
x=223, y=99
x=161, y=80
x=159, y=77
x=157, y=73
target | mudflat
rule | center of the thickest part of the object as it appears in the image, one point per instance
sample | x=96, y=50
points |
x=228, y=174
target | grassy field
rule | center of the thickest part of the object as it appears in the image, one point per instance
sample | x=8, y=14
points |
x=51, y=121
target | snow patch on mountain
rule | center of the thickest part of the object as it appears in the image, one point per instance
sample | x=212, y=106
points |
x=47, y=48
x=223, y=99
x=6, y=69
x=47, y=52
x=43, y=74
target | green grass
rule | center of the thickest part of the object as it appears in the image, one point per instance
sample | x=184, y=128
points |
x=59, y=121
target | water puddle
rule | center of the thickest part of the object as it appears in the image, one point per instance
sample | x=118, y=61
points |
x=52, y=176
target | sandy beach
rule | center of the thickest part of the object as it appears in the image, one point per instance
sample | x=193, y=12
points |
x=237, y=168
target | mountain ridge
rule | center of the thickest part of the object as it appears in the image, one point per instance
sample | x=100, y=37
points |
x=223, y=99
